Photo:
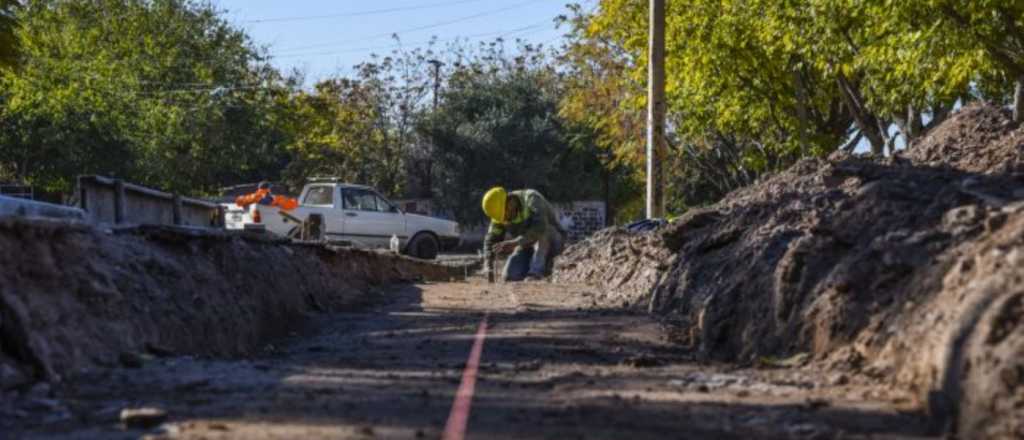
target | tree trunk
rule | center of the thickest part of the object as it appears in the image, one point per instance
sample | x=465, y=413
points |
x=910, y=124
x=1018, y=100
x=865, y=121
x=852, y=144
x=801, y=111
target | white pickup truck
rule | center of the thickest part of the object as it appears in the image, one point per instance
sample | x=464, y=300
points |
x=355, y=215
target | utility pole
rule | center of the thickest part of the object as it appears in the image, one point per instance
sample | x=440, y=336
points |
x=437, y=79
x=656, y=112
x=428, y=179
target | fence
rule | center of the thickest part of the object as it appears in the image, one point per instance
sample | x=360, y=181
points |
x=114, y=201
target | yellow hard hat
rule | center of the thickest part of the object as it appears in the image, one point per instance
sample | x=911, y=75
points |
x=494, y=204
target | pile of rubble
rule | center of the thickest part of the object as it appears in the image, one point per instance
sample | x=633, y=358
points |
x=626, y=264
x=909, y=269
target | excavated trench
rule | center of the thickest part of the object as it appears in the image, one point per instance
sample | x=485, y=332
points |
x=175, y=333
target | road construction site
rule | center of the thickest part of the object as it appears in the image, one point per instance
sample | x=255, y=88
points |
x=847, y=297
x=551, y=366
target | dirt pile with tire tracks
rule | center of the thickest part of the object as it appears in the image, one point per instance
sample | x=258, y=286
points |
x=76, y=297
x=908, y=269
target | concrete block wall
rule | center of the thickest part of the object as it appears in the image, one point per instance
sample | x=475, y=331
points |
x=582, y=219
x=30, y=208
x=111, y=201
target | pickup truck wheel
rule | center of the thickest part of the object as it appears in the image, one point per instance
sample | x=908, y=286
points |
x=424, y=246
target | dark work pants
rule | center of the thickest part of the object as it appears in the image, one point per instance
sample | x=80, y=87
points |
x=533, y=258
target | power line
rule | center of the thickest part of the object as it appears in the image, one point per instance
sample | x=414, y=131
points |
x=286, y=54
x=359, y=13
x=500, y=34
x=156, y=88
x=209, y=88
x=418, y=28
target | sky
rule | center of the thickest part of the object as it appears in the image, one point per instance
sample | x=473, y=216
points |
x=324, y=38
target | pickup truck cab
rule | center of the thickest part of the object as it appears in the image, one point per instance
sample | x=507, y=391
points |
x=353, y=215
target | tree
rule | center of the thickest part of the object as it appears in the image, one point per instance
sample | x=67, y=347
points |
x=497, y=124
x=161, y=92
x=342, y=134
x=601, y=91
x=363, y=129
x=754, y=85
x=989, y=33
x=8, y=42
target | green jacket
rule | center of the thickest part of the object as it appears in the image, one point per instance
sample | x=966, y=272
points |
x=536, y=219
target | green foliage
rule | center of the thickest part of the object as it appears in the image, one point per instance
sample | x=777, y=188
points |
x=498, y=124
x=601, y=91
x=753, y=85
x=342, y=132
x=981, y=42
x=166, y=93
x=8, y=42
x=161, y=92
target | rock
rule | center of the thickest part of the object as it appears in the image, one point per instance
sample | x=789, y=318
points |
x=816, y=403
x=41, y=404
x=39, y=390
x=108, y=414
x=56, y=416
x=217, y=426
x=192, y=384
x=143, y=418
x=159, y=351
x=804, y=430
x=644, y=362
x=839, y=379
x=130, y=360
x=11, y=377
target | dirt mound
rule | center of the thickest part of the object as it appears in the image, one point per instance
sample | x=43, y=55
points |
x=627, y=265
x=73, y=296
x=979, y=139
x=962, y=346
x=897, y=268
x=806, y=260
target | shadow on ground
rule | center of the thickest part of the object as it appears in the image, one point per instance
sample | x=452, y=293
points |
x=391, y=372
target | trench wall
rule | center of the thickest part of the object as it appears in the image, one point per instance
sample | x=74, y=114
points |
x=75, y=296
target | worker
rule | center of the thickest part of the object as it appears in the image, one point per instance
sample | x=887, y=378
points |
x=536, y=236
x=263, y=196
